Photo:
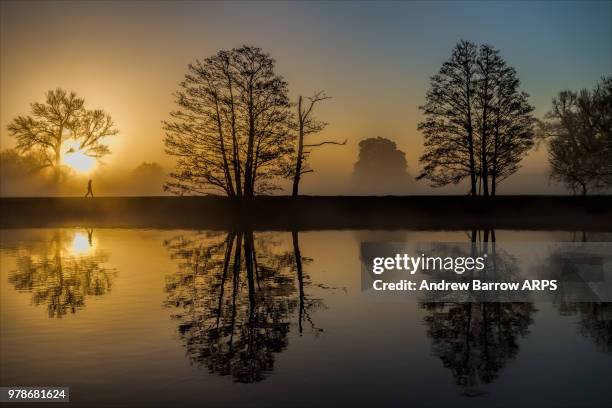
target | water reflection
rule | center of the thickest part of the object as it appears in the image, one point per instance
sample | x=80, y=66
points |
x=239, y=299
x=234, y=296
x=594, y=318
x=61, y=271
x=475, y=340
x=594, y=321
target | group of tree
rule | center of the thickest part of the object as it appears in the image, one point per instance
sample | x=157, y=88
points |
x=235, y=296
x=475, y=339
x=578, y=130
x=237, y=133
x=234, y=131
x=61, y=118
x=478, y=124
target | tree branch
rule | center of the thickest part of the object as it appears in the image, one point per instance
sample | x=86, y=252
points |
x=326, y=142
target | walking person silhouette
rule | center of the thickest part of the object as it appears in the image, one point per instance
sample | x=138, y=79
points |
x=89, y=190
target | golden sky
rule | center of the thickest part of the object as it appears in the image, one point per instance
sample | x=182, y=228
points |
x=374, y=59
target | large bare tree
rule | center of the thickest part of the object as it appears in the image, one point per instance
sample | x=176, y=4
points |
x=62, y=117
x=231, y=133
x=477, y=123
x=307, y=125
x=449, y=122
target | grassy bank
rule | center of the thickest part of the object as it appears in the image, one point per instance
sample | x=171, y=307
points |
x=310, y=212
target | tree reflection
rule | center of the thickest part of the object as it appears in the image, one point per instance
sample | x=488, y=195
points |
x=61, y=271
x=234, y=297
x=595, y=321
x=594, y=318
x=475, y=340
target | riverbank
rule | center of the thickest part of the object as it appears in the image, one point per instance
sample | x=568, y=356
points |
x=314, y=212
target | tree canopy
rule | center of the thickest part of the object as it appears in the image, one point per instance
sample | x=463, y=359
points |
x=62, y=117
x=231, y=132
x=477, y=125
x=578, y=129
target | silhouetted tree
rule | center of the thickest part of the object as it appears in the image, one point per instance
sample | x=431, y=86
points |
x=306, y=125
x=60, y=278
x=306, y=303
x=449, y=122
x=477, y=123
x=62, y=117
x=594, y=318
x=234, y=295
x=475, y=340
x=579, y=133
x=231, y=133
x=595, y=321
x=511, y=128
x=379, y=163
x=146, y=178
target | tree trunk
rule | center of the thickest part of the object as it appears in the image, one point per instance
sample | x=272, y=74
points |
x=229, y=243
x=483, y=145
x=470, y=131
x=300, y=276
x=300, y=152
x=226, y=170
x=58, y=163
x=248, y=262
x=235, y=154
x=248, y=171
x=494, y=171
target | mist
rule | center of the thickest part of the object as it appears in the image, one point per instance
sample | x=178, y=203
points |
x=20, y=176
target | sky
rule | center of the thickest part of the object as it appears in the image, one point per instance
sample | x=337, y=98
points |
x=374, y=59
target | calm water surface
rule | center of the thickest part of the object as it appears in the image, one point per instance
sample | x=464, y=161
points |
x=211, y=318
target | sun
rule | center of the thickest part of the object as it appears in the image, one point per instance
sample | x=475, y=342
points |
x=76, y=158
x=81, y=243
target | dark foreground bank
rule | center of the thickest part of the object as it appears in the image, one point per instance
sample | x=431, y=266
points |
x=310, y=213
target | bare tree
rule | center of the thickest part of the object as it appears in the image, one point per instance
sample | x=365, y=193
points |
x=307, y=125
x=511, y=129
x=579, y=133
x=234, y=297
x=231, y=133
x=489, y=63
x=62, y=117
x=449, y=120
x=477, y=122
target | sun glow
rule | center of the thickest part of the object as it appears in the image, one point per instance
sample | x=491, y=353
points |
x=76, y=158
x=81, y=244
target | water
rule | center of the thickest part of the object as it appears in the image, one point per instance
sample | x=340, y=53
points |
x=134, y=317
